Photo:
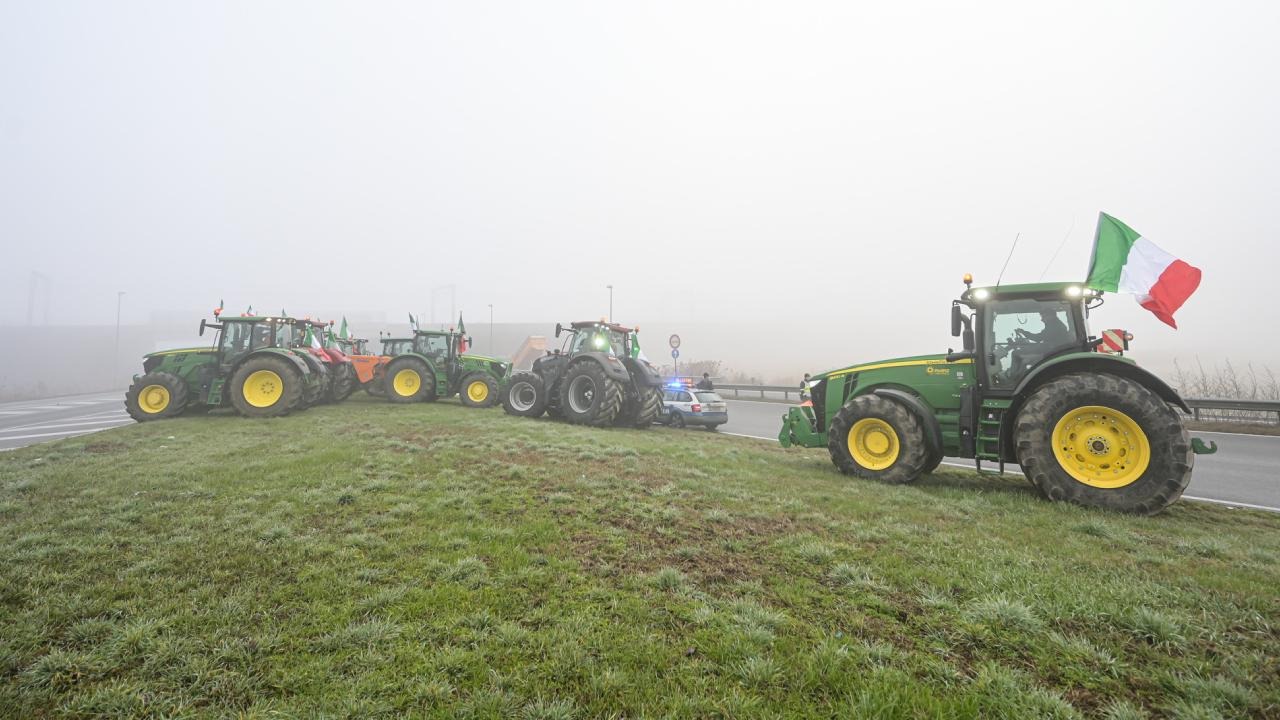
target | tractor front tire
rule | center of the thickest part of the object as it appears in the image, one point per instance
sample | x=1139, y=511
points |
x=525, y=395
x=266, y=386
x=155, y=396
x=1103, y=441
x=588, y=396
x=344, y=382
x=409, y=380
x=877, y=438
x=641, y=409
x=479, y=390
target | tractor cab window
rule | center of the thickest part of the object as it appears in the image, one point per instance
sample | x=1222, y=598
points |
x=261, y=336
x=597, y=340
x=435, y=347
x=284, y=334
x=236, y=337
x=1022, y=333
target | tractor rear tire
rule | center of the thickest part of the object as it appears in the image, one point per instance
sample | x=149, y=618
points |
x=641, y=409
x=409, y=380
x=479, y=390
x=525, y=395
x=877, y=438
x=344, y=382
x=932, y=463
x=553, y=403
x=588, y=396
x=315, y=385
x=155, y=396
x=1103, y=441
x=266, y=386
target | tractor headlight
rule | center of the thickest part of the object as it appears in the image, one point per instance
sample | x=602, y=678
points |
x=981, y=294
x=1073, y=291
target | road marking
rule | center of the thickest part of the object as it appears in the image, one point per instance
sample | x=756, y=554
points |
x=1251, y=506
x=969, y=466
x=16, y=412
x=50, y=425
x=54, y=434
x=1220, y=432
x=786, y=403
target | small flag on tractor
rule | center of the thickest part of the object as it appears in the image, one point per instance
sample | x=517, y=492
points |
x=1124, y=261
x=342, y=331
x=462, y=335
x=413, y=323
x=635, y=344
x=218, y=311
x=249, y=311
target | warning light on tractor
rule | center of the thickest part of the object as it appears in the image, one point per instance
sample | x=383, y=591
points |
x=968, y=279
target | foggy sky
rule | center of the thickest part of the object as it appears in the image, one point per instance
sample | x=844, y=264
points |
x=814, y=176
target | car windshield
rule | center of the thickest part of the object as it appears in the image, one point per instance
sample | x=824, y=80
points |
x=708, y=397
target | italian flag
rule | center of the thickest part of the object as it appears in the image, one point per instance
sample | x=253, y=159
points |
x=1125, y=262
x=462, y=335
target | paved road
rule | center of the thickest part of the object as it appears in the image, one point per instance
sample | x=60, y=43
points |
x=33, y=421
x=1243, y=472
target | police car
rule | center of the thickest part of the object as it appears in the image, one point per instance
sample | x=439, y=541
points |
x=684, y=404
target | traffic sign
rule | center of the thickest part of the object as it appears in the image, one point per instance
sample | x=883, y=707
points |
x=674, y=341
x=675, y=354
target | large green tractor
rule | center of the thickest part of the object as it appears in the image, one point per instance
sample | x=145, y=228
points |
x=250, y=367
x=433, y=366
x=594, y=379
x=1030, y=386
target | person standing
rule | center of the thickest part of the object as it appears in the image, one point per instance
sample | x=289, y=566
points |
x=705, y=383
x=805, y=386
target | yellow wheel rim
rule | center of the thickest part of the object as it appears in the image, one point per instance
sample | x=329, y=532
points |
x=1101, y=447
x=263, y=388
x=873, y=443
x=478, y=391
x=153, y=399
x=406, y=382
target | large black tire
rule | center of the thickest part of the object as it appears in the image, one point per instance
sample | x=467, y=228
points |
x=315, y=385
x=266, y=386
x=525, y=395
x=553, y=403
x=588, y=396
x=1105, y=444
x=640, y=409
x=409, y=379
x=155, y=396
x=344, y=381
x=479, y=390
x=932, y=462
x=872, y=451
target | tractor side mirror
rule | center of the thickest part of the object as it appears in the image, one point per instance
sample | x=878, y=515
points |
x=559, y=329
x=967, y=339
x=202, y=327
x=957, y=320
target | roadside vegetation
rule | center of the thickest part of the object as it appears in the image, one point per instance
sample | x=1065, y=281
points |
x=371, y=560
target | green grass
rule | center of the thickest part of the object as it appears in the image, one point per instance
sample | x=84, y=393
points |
x=370, y=560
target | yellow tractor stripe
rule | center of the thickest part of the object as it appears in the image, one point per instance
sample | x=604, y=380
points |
x=901, y=363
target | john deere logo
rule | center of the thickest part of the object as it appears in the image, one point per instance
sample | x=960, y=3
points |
x=932, y=370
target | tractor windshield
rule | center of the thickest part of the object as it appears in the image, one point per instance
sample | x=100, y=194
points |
x=598, y=339
x=284, y=334
x=236, y=338
x=435, y=347
x=1019, y=334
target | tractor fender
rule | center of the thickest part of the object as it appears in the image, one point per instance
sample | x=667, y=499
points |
x=932, y=428
x=613, y=367
x=1095, y=363
x=642, y=373
x=303, y=369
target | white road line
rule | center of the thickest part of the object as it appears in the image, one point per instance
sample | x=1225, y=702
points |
x=969, y=466
x=50, y=425
x=16, y=412
x=1219, y=432
x=54, y=434
x=780, y=403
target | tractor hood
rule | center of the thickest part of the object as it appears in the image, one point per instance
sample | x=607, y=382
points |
x=181, y=351
x=914, y=360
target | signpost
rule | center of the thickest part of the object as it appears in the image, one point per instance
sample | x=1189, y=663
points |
x=675, y=359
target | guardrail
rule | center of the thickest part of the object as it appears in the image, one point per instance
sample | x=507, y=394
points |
x=1264, y=408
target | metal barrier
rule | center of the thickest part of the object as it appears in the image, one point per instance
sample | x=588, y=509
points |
x=1262, y=407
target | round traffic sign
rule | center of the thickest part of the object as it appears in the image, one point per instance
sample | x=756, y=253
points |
x=675, y=354
x=675, y=341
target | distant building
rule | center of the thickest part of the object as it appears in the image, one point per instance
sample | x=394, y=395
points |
x=533, y=347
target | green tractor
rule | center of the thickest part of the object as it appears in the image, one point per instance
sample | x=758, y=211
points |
x=1030, y=386
x=432, y=366
x=597, y=378
x=250, y=367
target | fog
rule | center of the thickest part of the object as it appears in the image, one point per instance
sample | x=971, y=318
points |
x=790, y=186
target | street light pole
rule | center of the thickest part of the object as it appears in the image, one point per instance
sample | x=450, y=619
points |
x=115, y=356
x=491, y=350
x=610, y=302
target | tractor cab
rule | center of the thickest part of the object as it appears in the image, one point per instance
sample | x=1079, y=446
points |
x=590, y=336
x=1013, y=329
x=437, y=346
x=238, y=336
x=393, y=347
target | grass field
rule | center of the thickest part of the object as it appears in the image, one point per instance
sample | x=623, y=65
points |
x=370, y=560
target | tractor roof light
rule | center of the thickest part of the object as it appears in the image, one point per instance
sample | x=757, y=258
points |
x=981, y=294
x=1073, y=291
